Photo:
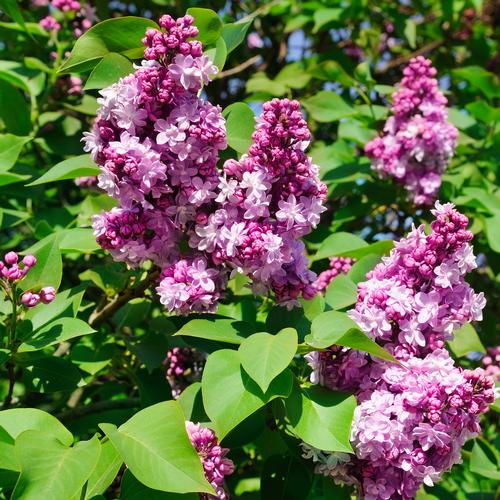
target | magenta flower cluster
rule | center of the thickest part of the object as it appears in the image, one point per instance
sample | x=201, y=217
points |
x=12, y=271
x=417, y=296
x=184, y=367
x=491, y=362
x=412, y=418
x=158, y=144
x=213, y=458
x=418, y=141
x=338, y=265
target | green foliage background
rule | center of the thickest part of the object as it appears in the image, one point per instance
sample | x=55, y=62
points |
x=93, y=358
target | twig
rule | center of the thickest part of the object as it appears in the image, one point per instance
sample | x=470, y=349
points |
x=114, y=404
x=12, y=381
x=237, y=69
x=405, y=58
x=100, y=315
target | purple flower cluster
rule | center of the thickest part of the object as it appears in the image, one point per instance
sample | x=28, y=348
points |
x=417, y=296
x=49, y=23
x=66, y=5
x=491, y=362
x=338, y=265
x=412, y=418
x=184, y=366
x=213, y=458
x=12, y=271
x=158, y=144
x=418, y=142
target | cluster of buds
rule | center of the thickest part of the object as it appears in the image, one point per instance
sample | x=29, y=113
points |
x=12, y=271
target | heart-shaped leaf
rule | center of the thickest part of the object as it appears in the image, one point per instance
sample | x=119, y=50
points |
x=265, y=356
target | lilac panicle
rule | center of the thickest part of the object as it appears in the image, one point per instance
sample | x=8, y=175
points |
x=213, y=458
x=157, y=143
x=412, y=419
x=418, y=142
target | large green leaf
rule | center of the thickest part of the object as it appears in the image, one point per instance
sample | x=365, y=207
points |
x=208, y=24
x=321, y=417
x=66, y=303
x=240, y=123
x=48, y=269
x=465, y=341
x=481, y=463
x=10, y=148
x=479, y=79
x=58, y=331
x=122, y=35
x=156, y=448
x=109, y=70
x=15, y=111
x=11, y=8
x=229, y=331
x=18, y=420
x=234, y=34
x=341, y=292
x=339, y=244
x=105, y=470
x=50, y=469
x=72, y=168
x=230, y=395
x=336, y=328
x=265, y=356
x=132, y=489
x=52, y=374
x=327, y=106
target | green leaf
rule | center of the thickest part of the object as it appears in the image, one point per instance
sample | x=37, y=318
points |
x=11, y=8
x=323, y=17
x=234, y=34
x=121, y=35
x=410, y=32
x=240, y=123
x=480, y=79
x=341, y=292
x=293, y=76
x=105, y=471
x=132, y=489
x=460, y=119
x=363, y=74
x=78, y=239
x=321, y=417
x=378, y=248
x=264, y=356
x=10, y=148
x=259, y=82
x=49, y=375
x=58, y=331
x=51, y=470
x=218, y=54
x=8, y=459
x=7, y=178
x=327, y=106
x=66, y=303
x=48, y=269
x=109, y=70
x=465, y=341
x=230, y=395
x=491, y=225
x=220, y=330
x=156, y=448
x=78, y=166
x=14, y=110
x=336, y=328
x=18, y=420
x=339, y=244
x=481, y=464
x=358, y=271
x=208, y=24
